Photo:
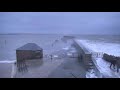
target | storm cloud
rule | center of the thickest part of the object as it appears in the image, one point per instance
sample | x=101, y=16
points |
x=60, y=22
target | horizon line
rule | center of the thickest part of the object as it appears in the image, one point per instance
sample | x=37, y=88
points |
x=57, y=33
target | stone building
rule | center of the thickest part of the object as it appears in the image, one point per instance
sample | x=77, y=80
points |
x=29, y=51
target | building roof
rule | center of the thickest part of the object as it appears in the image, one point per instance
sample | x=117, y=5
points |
x=29, y=46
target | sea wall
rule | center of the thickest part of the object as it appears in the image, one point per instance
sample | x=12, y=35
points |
x=83, y=55
x=86, y=57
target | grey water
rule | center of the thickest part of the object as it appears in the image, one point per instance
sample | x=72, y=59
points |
x=10, y=42
x=101, y=38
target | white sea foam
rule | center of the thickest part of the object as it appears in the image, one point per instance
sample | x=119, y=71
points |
x=104, y=67
x=7, y=61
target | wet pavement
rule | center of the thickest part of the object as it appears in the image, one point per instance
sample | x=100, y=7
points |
x=62, y=65
x=70, y=68
x=6, y=70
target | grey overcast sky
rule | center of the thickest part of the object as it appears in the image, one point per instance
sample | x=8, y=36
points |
x=60, y=22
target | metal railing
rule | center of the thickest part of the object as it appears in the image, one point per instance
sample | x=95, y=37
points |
x=97, y=54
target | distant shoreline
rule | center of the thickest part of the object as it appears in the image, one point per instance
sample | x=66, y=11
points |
x=27, y=34
x=59, y=34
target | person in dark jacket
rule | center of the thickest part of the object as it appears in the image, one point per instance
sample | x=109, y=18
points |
x=51, y=56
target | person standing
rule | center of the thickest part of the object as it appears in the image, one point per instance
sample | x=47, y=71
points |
x=5, y=42
x=51, y=57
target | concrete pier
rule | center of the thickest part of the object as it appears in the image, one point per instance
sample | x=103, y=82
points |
x=85, y=55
